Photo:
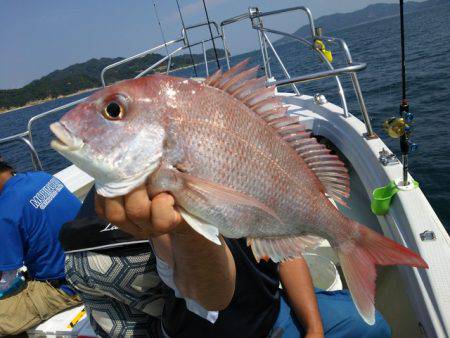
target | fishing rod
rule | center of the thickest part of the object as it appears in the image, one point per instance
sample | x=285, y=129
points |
x=160, y=27
x=401, y=127
x=404, y=105
x=210, y=32
x=187, y=40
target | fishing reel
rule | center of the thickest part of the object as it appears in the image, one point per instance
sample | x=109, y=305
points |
x=395, y=127
x=400, y=127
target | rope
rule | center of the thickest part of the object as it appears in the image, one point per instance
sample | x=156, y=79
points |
x=187, y=40
x=210, y=32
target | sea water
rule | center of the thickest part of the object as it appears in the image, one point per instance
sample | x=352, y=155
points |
x=375, y=43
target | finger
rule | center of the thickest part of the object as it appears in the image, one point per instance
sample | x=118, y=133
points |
x=115, y=213
x=164, y=217
x=115, y=210
x=99, y=205
x=137, y=206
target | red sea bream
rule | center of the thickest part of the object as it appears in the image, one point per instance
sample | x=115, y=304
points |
x=234, y=161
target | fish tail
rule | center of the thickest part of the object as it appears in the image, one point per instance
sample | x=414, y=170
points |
x=358, y=259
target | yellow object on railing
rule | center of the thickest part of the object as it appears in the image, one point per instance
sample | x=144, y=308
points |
x=319, y=45
x=76, y=319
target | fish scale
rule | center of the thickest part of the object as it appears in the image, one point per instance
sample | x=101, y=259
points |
x=270, y=173
x=236, y=165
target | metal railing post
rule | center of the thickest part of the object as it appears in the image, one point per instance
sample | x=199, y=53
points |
x=356, y=86
x=206, y=59
x=37, y=165
x=257, y=24
x=355, y=67
x=156, y=64
x=137, y=56
x=294, y=87
x=338, y=83
x=322, y=57
x=225, y=46
x=23, y=137
x=267, y=58
x=169, y=62
x=263, y=54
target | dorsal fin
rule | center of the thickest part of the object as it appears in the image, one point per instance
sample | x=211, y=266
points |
x=251, y=91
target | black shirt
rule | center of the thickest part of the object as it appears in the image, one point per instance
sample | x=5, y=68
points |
x=89, y=232
x=253, y=309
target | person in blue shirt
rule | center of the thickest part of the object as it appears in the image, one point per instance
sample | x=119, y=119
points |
x=33, y=207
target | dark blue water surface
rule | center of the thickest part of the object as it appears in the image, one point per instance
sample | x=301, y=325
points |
x=377, y=44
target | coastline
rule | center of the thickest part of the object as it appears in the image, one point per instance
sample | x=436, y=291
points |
x=36, y=102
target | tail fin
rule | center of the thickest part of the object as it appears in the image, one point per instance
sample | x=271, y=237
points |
x=358, y=264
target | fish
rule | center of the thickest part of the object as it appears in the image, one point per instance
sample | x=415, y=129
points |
x=236, y=163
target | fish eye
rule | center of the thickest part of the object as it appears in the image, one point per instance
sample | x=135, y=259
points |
x=113, y=111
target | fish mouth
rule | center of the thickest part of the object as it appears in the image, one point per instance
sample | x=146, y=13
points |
x=65, y=141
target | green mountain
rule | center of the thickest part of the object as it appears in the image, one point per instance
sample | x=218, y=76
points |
x=86, y=75
x=373, y=12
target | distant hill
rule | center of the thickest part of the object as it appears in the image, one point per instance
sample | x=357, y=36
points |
x=86, y=75
x=373, y=12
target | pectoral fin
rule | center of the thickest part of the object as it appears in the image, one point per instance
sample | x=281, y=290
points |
x=236, y=207
x=218, y=195
x=209, y=206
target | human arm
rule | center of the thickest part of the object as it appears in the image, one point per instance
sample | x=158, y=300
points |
x=298, y=286
x=11, y=249
x=203, y=271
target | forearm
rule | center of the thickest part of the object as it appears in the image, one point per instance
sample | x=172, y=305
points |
x=203, y=271
x=298, y=286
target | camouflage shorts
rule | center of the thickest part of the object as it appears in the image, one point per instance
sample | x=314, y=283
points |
x=122, y=294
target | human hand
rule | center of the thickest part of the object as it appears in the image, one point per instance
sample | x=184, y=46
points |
x=138, y=214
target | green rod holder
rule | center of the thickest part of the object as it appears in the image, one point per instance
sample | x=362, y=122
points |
x=382, y=197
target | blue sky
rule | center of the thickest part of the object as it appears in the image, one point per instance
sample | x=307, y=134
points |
x=40, y=36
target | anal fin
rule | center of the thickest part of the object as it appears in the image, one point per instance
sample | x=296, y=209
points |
x=282, y=248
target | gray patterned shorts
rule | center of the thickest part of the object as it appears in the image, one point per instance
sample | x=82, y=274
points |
x=122, y=294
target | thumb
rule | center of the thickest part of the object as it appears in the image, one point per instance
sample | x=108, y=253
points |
x=164, y=217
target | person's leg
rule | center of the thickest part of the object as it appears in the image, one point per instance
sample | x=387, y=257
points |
x=340, y=317
x=35, y=303
x=285, y=325
x=121, y=295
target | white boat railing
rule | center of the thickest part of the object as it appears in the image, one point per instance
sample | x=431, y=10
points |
x=27, y=136
x=185, y=44
x=255, y=16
